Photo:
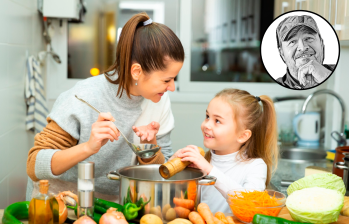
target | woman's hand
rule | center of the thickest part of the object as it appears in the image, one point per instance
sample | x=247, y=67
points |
x=191, y=153
x=102, y=131
x=147, y=132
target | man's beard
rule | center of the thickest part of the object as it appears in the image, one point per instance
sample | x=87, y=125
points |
x=292, y=67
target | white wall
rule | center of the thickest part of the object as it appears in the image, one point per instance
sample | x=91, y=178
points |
x=20, y=35
x=338, y=82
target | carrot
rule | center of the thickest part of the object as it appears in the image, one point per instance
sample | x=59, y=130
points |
x=246, y=204
x=206, y=213
x=230, y=220
x=185, y=203
x=182, y=212
x=221, y=216
x=196, y=218
x=192, y=190
x=217, y=221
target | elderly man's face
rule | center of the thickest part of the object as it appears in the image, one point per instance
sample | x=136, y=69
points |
x=300, y=48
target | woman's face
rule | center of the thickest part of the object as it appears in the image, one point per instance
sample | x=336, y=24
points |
x=153, y=85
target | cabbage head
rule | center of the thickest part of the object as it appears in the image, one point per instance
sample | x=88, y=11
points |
x=317, y=198
x=324, y=180
x=315, y=205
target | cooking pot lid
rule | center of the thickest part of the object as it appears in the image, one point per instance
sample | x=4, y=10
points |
x=151, y=173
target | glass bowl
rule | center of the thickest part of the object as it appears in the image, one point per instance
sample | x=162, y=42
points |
x=244, y=209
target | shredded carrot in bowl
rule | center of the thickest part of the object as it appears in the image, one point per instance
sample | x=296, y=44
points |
x=246, y=203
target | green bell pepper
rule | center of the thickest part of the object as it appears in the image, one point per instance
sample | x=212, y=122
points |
x=131, y=211
x=265, y=219
x=15, y=211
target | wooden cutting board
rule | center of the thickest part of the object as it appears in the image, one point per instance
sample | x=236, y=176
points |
x=286, y=215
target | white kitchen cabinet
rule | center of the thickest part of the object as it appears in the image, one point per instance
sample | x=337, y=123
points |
x=336, y=12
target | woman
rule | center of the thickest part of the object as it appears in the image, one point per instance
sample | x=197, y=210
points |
x=133, y=91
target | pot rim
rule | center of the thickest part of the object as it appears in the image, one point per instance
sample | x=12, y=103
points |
x=164, y=180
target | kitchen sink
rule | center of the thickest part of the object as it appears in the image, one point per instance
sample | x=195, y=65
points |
x=299, y=154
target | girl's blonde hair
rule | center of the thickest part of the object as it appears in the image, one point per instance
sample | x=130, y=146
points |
x=260, y=120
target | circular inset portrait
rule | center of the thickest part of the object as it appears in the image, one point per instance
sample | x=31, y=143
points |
x=300, y=50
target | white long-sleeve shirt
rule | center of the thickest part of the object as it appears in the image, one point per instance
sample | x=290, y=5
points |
x=231, y=173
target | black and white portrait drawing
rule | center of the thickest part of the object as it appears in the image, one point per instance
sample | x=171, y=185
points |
x=300, y=50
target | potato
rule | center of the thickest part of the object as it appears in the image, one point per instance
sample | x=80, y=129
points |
x=156, y=211
x=180, y=221
x=170, y=214
x=164, y=209
x=150, y=219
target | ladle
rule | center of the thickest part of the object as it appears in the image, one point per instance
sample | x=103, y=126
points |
x=144, y=151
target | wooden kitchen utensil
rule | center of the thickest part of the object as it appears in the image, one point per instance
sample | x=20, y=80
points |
x=174, y=166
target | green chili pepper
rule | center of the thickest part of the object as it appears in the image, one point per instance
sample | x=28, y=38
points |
x=141, y=203
x=131, y=211
x=15, y=211
x=265, y=219
x=128, y=197
x=107, y=204
x=186, y=195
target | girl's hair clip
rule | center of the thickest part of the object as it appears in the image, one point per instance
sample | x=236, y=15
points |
x=257, y=98
x=149, y=21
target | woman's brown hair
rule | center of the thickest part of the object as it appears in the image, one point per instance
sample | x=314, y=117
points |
x=260, y=120
x=147, y=45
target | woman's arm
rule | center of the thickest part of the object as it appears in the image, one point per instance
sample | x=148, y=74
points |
x=55, y=151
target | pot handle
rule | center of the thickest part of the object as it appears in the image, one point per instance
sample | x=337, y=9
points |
x=207, y=180
x=113, y=175
x=341, y=165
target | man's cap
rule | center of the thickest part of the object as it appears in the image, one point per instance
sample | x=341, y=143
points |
x=293, y=21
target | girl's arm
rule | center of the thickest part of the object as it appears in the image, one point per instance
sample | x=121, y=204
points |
x=255, y=178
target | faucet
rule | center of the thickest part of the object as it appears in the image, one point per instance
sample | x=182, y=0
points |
x=341, y=102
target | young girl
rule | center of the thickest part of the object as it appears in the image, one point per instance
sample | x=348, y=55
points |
x=240, y=131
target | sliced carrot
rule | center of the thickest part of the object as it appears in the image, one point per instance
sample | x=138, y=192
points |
x=196, y=218
x=246, y=204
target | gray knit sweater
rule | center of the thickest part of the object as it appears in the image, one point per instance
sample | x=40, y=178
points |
x=76, y=118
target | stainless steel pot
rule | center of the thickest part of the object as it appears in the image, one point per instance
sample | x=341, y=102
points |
x=145, y=180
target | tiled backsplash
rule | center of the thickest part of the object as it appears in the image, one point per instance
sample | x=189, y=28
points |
x=20, y=36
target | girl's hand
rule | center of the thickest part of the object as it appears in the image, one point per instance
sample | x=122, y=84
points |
x=102, y=131
x=147, y=132
x=191, y=153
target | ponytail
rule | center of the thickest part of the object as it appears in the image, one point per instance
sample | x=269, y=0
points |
x=147, y=45
x=268, y=149
x=258, y=115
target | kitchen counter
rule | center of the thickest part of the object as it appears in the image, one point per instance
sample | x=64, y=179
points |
x=285, y=172
x=283, y=214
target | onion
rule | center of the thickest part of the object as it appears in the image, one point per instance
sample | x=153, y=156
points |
x=63, y=198
x=113, y=217
x=84, y=220
x=63, y=211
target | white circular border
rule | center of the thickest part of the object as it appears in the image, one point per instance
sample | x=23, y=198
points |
x=272, y=61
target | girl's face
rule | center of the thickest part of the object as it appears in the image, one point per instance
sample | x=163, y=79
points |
x=152, y=86
x=220, y=129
